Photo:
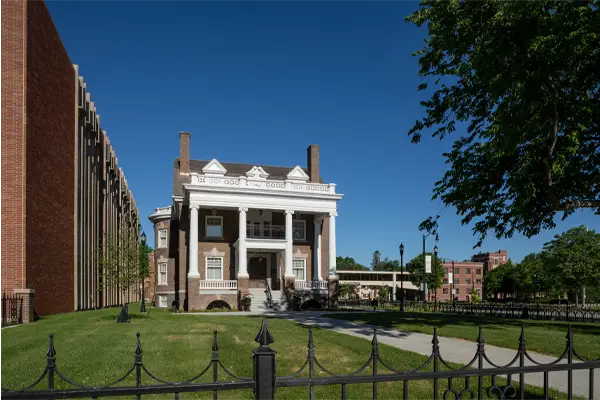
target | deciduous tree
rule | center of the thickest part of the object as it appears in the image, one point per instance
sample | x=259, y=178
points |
x=518, y=82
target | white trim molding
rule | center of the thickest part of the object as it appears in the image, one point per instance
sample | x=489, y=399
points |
x=214, y=168
x=206, y=278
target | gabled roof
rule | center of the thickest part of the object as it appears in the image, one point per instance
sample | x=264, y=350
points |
x=233, y=169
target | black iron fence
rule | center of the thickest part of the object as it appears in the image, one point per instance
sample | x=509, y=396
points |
x=12, y=309
x=480, y=378
x=565, y=312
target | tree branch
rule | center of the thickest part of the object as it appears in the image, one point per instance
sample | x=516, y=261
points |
x=547, y=161
x=571, y=205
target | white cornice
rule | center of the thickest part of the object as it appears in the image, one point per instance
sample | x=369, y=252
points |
x=160, y=214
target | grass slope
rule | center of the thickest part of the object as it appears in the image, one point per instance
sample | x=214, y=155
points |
x=93, y=350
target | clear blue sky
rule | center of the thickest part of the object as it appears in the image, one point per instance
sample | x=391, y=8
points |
x=257, y=82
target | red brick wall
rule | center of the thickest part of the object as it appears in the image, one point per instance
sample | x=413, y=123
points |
x=50, y=169
x=14, y=204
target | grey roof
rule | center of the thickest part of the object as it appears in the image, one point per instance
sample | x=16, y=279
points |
x=233, y=169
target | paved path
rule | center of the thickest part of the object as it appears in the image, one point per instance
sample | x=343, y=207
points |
x=452, y=350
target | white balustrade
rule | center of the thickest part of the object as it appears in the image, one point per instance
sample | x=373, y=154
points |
x=311, y=285
x=271, y=231
x=229, y=285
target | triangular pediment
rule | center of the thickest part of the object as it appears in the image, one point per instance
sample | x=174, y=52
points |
x=298, y=174
x=257, y=172
x=214, y=167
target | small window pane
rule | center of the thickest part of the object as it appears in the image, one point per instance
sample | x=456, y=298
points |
x=162, y=300
x=468, y=281
x=214, y=266
x=456, y=270
x=457, y=281
x=298, y=266
x=457, y=290
x=298, y=229
x=162, y=273
x=214, y=226
x=162, y=238
x=468, y=270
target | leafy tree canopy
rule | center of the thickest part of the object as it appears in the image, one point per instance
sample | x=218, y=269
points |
x=416, y=268
x=574, y=258
x=523, y=78
x=348, y=263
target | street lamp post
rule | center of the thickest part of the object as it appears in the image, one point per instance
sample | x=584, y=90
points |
x=425, y=267
x=401, y=277
x=143, y=308
x=435, y=252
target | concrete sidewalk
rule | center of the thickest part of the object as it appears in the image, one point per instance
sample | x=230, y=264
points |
x=454, y=350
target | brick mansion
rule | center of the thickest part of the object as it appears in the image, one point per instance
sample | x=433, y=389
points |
x=238, y=228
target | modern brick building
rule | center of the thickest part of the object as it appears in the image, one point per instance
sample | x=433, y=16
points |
x=62, y=190
x=235, y=229
x=461, y=278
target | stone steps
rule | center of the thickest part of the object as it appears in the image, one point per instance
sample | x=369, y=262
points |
x=259, y=302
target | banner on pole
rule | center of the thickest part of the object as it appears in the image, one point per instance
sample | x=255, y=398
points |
x=427, y=264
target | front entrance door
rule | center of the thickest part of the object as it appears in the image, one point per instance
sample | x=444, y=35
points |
x=257, y=269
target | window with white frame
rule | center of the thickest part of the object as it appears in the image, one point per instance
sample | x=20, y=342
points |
x=214, y=226
x=162, y=273
x=299, y=229
x=162, y=300
x=299, y=268
x=214, y=268
x=162, y=239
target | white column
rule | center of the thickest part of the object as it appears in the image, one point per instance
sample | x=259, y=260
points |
x=193, y=242
x=332, y=253
x=317, y=250
x=242, y=253
x=289, y=244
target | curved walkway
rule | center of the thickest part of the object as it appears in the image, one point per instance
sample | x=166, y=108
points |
x=452, y=350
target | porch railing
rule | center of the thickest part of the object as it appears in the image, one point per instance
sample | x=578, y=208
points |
x=310, y=285
x=232, y=285
x=271, y=231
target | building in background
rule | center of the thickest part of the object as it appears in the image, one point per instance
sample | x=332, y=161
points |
x=464, y=277
x=237, y=229
x=63, y=193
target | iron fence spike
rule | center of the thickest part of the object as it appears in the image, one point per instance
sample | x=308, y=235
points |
x=311, y=344
x=51, y=351
x=480, y=336
x=215, y=346
x=138, y=347
x=435, y=340
x=375, y=341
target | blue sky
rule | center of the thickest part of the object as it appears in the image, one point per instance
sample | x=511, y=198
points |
x=257, y=82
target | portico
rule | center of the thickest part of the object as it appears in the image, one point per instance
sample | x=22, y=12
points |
x=279, y=235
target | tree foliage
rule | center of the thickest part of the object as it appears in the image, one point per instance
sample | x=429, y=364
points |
x=416, y=268
x=119, y=261
x=388, y=265
x=348, y=263
x=522, y=77
x=574, y=258
x=376, y=260
x=563, y=267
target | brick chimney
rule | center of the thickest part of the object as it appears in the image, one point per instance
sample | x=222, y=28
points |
x=184, y=153
x=313, y=163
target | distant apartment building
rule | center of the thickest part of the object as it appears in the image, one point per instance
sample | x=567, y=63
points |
x=463, y=278
x=63, y=192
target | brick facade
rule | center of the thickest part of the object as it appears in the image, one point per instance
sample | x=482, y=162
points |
x=43, y=102
x=50, y=173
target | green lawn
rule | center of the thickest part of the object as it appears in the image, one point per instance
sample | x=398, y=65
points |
x=92, y=349
x=546, y=337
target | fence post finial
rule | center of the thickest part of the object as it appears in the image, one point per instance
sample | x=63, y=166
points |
x=51, y=362
x=480, y=341
x=264, y=337
x=264, y=365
